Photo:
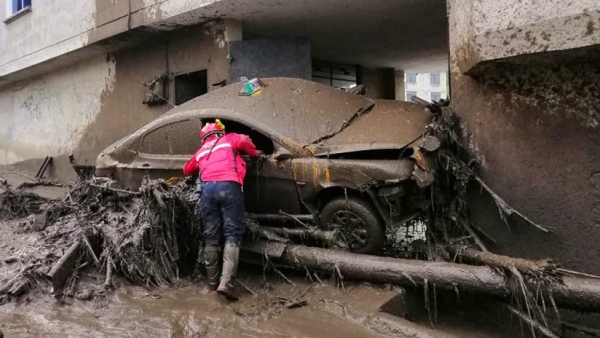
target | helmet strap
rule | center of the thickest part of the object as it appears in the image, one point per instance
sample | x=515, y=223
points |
x=211, y=133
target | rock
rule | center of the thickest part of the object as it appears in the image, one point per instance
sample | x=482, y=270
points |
x=86, y=294
x=39, y=222
x=10, y=260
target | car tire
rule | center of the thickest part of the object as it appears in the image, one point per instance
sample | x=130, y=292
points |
x=344, y=213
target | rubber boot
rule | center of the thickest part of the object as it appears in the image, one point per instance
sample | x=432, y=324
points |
x=231, y=256
x=212, y=264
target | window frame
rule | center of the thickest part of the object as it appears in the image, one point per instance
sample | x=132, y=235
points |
x=275, y=145
x=13, y=13
x=409, y=76
x=433, y=76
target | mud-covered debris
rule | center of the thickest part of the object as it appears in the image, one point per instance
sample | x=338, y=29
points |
x=18, y=203
x=10, y=259
x=86, y=294
x=151, y=237
x=450, y=222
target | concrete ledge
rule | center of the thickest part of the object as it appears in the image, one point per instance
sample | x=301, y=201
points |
x=562, y=33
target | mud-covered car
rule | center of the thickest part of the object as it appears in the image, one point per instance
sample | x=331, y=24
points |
x=342, y=160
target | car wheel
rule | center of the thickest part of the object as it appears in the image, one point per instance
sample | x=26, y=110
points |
x=358, y=223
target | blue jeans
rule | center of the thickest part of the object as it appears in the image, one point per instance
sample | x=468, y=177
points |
x=222, y=210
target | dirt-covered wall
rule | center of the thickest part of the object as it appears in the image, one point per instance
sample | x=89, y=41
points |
x=533, y=123
x=85, y=107
x=380, y=83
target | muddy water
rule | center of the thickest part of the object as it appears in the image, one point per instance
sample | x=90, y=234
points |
x=189, y=312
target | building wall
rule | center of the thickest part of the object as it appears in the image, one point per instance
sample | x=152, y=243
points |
x=47, y=115
x=122, y=113
x=91, y=104
x=423, y=87
x=55, y=28
x=400, y=85
x=532, y=122
x=380, y=83
x=35, y=32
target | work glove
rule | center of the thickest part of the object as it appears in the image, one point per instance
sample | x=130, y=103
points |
x=191, y=180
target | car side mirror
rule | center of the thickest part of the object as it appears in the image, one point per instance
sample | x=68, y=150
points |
x=282, y=154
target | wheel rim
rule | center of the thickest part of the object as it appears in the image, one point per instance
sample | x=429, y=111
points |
x=352, y=229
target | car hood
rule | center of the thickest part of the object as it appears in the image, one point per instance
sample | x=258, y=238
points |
x=388, y=125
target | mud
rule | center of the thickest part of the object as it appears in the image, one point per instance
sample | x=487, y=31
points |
x=357, y=310
x=268, y=309
x=187, y=311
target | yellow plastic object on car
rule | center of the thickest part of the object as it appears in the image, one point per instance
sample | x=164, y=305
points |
x=220, y=124
x=421, y=160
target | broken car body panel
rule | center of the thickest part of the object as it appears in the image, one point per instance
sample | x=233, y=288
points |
x=388, y=125
x=322, y=138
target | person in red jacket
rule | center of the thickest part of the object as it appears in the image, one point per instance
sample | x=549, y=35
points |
x=221, y=172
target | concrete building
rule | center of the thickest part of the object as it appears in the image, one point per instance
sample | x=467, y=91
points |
x=524, y=79
x=77, y=75
x=432, y=86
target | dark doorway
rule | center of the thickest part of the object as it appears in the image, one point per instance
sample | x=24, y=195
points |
x=190, y=85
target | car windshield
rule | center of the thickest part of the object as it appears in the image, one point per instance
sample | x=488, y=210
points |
x=302, y=110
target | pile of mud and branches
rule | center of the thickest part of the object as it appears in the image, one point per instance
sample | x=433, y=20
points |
x=149, y=237
x=18, y=203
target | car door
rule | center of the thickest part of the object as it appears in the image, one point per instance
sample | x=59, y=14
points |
x=164, y=150
x=270, y=186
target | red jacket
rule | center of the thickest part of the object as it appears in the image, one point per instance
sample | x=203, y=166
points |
x=219, y=159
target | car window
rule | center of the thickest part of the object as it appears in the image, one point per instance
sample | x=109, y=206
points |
x=178, y=138
x=262, y=142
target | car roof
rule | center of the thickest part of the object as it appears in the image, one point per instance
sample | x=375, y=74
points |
x=301, y=110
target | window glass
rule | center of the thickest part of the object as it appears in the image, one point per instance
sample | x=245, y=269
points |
x=178, y=138
x=435, y=78
x=334, y=74
x=411, y=78
x=14, y=6
x=410, y=94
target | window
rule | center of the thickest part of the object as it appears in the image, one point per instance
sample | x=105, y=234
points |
x=14, y=8
x=262, y=142
x=436, y=96
x=435, y=78
x=334, y=75
x=411, y=78
x=410, y=94
x=190, y=85
x=178, y=138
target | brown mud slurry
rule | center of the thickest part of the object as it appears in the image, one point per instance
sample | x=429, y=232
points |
x=189, y=312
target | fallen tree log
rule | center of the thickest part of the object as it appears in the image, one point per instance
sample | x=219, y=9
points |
x=574, y=293
x=323, y=236
x=64, y=267
x=500, y=261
